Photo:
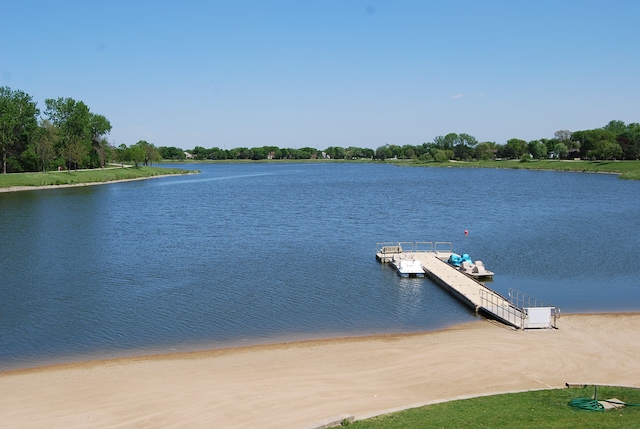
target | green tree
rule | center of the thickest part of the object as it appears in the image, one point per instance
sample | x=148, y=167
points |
x=550, y=144
x=150, y=153
x=240, y=153
x=44, y=144
x=258, y=153
x=561, y=149
x=217, y=153
x=441, y=155
x=307, y=153
x=200, y=153
x=367, y=153
x=537, y=149
x=18, y=123
x=447, y=142
x=629, y=141
x=514, y=148
x=73, y=120
x=408, y=152
x=606, y=150
x=80, y=131
x=335, y=152
x=273, y=152
x=103, y=150
x=170, y=152
x=485, y=150
x=617, y=127
x=383, y=152
x=99, y=126
x=77, y=153
x=467, y=140
x=122, y=154
x=597, y=143
x=464, y=145
x=353, y=152
x=286, y=153
x=137, y=154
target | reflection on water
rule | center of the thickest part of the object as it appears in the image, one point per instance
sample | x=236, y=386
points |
x=270, y=252
x=410, y=295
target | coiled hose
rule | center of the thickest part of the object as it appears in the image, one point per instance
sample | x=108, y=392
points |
x=586, y=404
x=594, y=405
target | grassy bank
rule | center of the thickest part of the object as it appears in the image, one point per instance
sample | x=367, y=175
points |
x=626, y=169
x=84, y=176
x=544, y=408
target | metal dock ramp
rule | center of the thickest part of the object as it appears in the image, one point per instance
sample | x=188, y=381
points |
x=520, y=311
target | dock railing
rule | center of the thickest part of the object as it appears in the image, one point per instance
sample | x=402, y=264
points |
x=528, y=302
x=445, y=247
x=501, y=308
x=416, y=247
x=423, y=246
x=382, y=246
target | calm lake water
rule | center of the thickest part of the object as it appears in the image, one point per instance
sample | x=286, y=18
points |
x=255, y=253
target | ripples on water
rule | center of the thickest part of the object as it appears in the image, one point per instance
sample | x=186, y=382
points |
x=249, y=253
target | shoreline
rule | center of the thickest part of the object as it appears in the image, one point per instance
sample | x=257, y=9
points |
x=298, y=383
x=203, y=350
x=198, y=352
x=76, y=185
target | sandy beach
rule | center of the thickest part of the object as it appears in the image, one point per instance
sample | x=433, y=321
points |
x=306, y=384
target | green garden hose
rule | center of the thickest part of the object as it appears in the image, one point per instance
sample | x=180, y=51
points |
x=587, y=404
x=594, y=405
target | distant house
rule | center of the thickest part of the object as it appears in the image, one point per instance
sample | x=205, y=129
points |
x=187, y=155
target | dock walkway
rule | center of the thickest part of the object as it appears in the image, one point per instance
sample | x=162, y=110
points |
x=480, y=298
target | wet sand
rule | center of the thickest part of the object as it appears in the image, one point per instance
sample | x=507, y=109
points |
x=305, y=384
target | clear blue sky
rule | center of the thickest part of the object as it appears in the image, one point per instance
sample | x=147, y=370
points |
x=326, y=73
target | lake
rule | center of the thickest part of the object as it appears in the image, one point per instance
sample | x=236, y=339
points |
x=256, y=253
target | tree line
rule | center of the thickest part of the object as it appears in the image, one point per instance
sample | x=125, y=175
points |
x=68, y=135
x=616, y=140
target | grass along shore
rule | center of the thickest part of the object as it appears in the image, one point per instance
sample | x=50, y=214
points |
x=25, y=181
x=625, y=169
x=532, y=409
x=20, y=181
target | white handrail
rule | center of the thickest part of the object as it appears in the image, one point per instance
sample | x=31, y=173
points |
x=495, y=304
x=523, y=300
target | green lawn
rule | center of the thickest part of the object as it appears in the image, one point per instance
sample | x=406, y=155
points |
x=537, y=409
x=84, y=176
x=626, y=169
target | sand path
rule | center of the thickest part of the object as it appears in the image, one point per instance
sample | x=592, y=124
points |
x=301, y=385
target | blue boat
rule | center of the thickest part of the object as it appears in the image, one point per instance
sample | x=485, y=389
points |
x=471, y=268
x=456, y=260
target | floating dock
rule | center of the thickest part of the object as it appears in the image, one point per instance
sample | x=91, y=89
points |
x=520, y=311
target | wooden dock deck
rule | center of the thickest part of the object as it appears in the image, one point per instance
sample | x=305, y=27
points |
x=467, y=289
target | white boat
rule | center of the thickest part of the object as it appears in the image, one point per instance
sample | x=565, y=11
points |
x=475, y=269
x=408, y=267
x=470, y=267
